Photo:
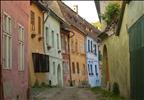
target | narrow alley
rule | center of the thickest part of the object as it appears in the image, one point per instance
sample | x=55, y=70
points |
x=72, y=50
x=69, y=93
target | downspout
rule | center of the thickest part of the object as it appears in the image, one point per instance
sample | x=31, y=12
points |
x=1, y=83
x=69, y=57
x=86, y=58
x=44, y=21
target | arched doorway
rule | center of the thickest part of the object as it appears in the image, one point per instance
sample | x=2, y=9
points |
x=105, y=65
x=59, y=76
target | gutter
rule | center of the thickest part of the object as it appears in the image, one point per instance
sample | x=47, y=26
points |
x=1, y=81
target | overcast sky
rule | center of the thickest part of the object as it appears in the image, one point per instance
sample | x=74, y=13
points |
x=86, y=9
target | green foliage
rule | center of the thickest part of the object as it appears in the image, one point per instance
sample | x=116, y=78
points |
x=116, y=88
x=105, y=95
x=111, y=13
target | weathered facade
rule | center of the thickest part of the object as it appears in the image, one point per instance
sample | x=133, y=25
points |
x=38, y=68
x=15, y=21
x=115, y=51
x=77, y=46
x=65, y=54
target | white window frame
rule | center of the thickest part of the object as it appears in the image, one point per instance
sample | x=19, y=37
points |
x=58, y=46
x=21, y=47
x=47, y=35
x=53, y=38
x=54, y=68
x=7, y=57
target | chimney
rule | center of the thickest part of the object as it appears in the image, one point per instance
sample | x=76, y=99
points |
x=75, y=8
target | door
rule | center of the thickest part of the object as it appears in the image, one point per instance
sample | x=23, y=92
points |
x=59, y=76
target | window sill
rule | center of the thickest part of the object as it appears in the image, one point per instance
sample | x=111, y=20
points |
x=6, y=68
x=20, y=70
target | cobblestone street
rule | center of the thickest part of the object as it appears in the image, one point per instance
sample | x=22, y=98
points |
x=65, y=94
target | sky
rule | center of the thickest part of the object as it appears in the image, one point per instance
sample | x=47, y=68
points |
x=86, y=9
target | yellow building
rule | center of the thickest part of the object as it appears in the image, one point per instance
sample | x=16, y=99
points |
x=35, y=38
x=78, y=57
x=115, y=52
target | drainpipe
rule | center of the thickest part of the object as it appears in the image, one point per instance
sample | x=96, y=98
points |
x=44, y=21
x=86, y=58
x=1, y=83
x=69, y=57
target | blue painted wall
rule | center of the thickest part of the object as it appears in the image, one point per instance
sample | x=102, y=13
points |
x=92, y=62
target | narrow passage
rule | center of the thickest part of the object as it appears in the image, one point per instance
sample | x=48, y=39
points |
x=66, y=94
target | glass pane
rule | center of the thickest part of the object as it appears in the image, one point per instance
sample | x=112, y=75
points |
x=4, y=50
x=22, y=34
x=23, y=56
x=9, y=51
x=4, y=22
x=9, y=25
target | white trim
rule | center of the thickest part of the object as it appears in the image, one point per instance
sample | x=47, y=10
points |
x=8, y=40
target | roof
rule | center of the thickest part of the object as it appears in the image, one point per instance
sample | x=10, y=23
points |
x=97, y=4
x=39, y=4
x=55, y=10
x=77, y=21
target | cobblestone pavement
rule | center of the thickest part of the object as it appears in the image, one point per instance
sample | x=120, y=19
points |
x=65, y=94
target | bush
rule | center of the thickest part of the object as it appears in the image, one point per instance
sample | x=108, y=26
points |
x=111, y=13
x=116, y=89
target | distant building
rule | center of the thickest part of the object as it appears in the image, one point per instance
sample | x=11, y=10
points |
x=92, y=59
x=14, y=32
x=77, y=49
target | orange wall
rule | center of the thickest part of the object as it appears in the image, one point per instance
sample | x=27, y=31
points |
x=78, y=56
x=35, y=46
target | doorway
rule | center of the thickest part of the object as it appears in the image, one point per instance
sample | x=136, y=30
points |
x=59, y=76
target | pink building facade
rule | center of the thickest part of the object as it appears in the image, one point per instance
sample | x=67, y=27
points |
x=14, y=42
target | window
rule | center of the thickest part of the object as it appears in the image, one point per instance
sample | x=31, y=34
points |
x=95, y=52
x=84, y=69
x=32, y=21
x=46, y=30
x=72, y=43
x=91, y=69
x=91, y=47
x=57, y=41
x=88, y=45
x=78, y=68
x=40, y=62
x=53, y=39
x=62, y=41
x=76, y=45
x=96, y=70
x=66, y=43
x=39, y=25
x=82, y=47
x=7, y=39
x=54, y=68
x=21, y=48
x=73, y=67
